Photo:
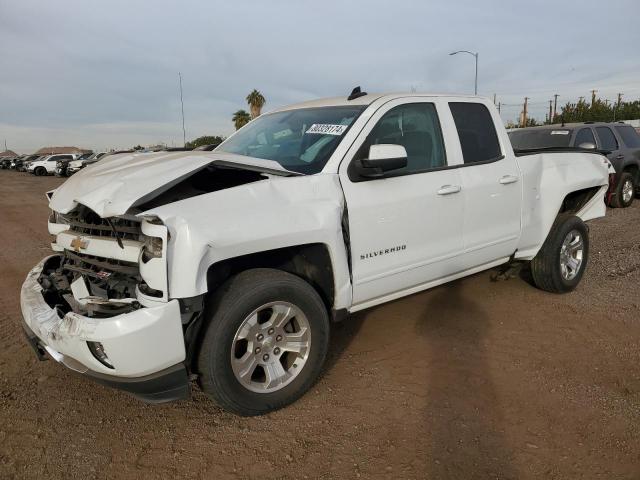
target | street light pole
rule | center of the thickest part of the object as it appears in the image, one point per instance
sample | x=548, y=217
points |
x=476, y=57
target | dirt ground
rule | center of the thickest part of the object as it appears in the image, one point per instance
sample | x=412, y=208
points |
x=475, y=379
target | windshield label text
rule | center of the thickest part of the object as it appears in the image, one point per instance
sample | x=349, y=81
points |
x=327, y=129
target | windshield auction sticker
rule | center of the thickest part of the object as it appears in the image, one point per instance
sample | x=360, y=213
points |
x=560, y=132
x=327, y=129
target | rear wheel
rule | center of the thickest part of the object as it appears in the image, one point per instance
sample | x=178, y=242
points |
x=625, y=191
x=265, y=343
x=559, y=265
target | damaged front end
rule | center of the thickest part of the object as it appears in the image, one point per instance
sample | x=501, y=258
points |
x=100, y=306
x=107, y=266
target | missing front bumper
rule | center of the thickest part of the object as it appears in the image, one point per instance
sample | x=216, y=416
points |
x=167, y=385
x=146, y=346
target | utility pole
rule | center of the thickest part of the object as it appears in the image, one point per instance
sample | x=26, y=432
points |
x=494, y=98
x=524, y=112
x=615, y=107
x=184, y=133
x=593, y=97
x=555, y=105
x=550, y=112
x=498, y=107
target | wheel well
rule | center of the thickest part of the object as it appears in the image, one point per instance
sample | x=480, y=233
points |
x=574, y=201
x=310, y=262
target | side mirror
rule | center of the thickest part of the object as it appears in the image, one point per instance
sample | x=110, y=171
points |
x=382, y=158
x=587, y=146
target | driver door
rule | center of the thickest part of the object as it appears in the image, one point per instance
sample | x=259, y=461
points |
x=405, y=229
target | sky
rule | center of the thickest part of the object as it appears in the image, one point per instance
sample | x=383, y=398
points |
x=104, y=74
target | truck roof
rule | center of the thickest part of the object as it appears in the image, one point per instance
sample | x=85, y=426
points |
x=366, y=99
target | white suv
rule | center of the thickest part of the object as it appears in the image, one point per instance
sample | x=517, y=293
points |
x=47, y=165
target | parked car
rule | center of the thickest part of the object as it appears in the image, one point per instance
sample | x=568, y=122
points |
x=27, y=161
x=62, y=165
x=619, y=141
x=46, y=165
x=75, y=166
x=5, y=162
x=229, y=266
x=22, y=167
x=17, y=161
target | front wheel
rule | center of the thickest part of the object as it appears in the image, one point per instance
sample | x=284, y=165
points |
x=40, y=171
x=265, y=343
x=559, y=265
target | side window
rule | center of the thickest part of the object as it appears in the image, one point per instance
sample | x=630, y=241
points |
x=477, y=133
x=607, y=139
x=416, y=127
x=584, y=135
x=629, y=136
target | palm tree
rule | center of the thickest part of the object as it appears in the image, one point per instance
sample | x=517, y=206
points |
x=241, y=118
x=256, y=101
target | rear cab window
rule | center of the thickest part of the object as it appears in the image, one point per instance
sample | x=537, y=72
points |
x=629, y=136
x=476, y=131
x=535, y=138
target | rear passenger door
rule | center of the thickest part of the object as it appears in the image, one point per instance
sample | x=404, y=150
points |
x=492, y=186
x=608, y=141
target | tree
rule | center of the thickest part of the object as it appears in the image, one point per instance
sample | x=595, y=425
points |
x=256, y=101
x=205, y=140
x=240, y=119
x=598, y=111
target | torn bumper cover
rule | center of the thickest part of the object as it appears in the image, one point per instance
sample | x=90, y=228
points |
x=145, y=347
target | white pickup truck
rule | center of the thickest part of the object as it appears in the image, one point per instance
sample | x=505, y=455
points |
x=227, y=267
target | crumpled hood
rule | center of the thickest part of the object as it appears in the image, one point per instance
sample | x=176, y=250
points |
x=111, y=186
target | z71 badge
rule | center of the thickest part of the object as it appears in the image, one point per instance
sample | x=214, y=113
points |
x=379, y=253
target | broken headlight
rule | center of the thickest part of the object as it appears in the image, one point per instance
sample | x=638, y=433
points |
x=56, y=217
x=152, y=248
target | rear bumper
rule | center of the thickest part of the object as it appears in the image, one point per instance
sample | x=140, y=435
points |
x=145, y=346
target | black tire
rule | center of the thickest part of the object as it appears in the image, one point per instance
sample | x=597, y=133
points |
x=545, y=267
x=40, y=171
x=617, y=199
x=226, y=311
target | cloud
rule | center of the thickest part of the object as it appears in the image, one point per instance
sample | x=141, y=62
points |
x=100, y=74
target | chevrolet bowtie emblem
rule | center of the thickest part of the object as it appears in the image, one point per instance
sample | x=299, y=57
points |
x=78, y=243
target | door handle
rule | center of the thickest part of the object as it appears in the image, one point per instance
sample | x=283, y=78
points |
x=449, y=189
x=620, y=157
x=508, y=179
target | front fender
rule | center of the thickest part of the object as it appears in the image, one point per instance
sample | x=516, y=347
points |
x=273, y=213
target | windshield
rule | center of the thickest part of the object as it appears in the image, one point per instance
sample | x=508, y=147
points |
x=540, y=138
x=299, y=140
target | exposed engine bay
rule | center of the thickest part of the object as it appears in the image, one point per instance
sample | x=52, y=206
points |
x=100, y=279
